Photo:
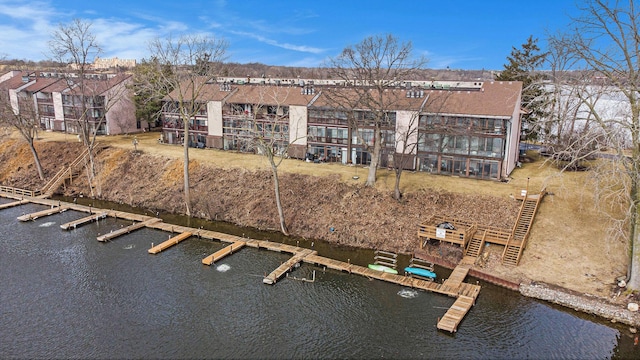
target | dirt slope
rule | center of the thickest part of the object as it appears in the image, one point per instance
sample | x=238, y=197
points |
x=569, y=245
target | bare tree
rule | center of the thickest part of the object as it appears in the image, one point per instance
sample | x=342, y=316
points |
x=370, y=67
x=90, y=98
x=605, y=39
x=22, y=116
x=407, y=137
x=269, y=128
x=185, y=65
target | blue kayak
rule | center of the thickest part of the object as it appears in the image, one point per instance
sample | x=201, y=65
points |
x=420, y=272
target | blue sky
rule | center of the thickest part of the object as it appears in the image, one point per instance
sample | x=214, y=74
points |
x=471, y=34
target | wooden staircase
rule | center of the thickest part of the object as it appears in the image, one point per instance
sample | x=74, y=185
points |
x=69, y=172
x=519, y=235
x=476, y=244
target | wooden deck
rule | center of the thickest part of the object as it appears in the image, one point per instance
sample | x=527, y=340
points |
x=228, y=250
x=169, y=243
x=456, y=313
x=14, y=203
x=125, y=230
x=46, y=212
x=74, y=224
x=453, y=286
x=286, y=266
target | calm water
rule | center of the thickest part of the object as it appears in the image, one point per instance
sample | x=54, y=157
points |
x=66, y=295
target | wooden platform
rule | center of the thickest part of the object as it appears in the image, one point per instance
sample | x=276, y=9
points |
x=46, y=212
x=126, y=230
x=84, y=220
x=228, y=250
x=456, y=313
x=286, y=266
x=169, y=243
x=453, y=286
x=12, y=204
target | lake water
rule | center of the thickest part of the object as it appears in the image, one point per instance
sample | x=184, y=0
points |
x=66, y=295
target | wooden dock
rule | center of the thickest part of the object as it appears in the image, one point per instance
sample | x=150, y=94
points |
x=453, y=286
x=286, y=266
x=169, y=243
x=74, y=224
x=12, y=204
x=456, y=312
x=126, y=230
x=46, y=212
x=228, y=250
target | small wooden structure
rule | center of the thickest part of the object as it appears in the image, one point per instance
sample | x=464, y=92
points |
x=169, y=243
x=463, y=232
x=74, y=224
x=46, y=212
x=385, y=258
x=228, y=250
x=420, y=264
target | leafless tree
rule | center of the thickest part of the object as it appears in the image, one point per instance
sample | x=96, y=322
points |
x=605, y=39
x=185, y=65
x=270, y=129
x=369, y=67
x=91, y=98
x=406, y=143
x=22, y=116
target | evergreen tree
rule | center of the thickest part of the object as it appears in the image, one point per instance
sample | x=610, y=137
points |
x=521, y=66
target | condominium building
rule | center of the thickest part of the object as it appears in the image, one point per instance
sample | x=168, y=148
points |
x=61, y=101
x=466, y=129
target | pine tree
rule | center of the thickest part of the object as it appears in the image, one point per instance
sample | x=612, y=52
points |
x=521, y=66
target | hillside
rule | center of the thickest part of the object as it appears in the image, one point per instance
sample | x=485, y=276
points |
x=568, y=245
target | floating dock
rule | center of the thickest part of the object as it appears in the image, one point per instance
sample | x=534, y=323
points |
x=126, y=230
x=74, y=224
x=169, y=243
x=453, y=286
x=228, y=250
x=12, y=204
x=456, y=313
x=287, y=266
x=46, y=212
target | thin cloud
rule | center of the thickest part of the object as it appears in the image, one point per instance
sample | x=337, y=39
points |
x=287, y=46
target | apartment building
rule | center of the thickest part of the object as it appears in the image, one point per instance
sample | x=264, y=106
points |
x=61, y=101
x=466, y=129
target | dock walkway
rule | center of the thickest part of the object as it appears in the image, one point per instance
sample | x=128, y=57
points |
x=74, y=224
x=46, y=212
x=453, y=286
x=169, y=243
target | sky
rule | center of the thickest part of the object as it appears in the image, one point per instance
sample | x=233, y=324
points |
x=455, y=34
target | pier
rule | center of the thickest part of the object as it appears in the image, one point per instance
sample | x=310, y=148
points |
x=125, y=230
x=454, y=286
x=228, y=250
x=47, y=212
x=12, y=204
x=169, y=243
x=74, y=224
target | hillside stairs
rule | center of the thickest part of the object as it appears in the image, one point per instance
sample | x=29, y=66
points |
x=520, y=233
x=68, y=172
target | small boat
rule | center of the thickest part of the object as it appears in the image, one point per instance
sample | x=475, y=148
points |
x=420, y=272
x=382, y=268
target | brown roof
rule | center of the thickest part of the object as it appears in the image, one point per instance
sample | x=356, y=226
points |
x=14, y=82
x=393, y=99
x=98, y=86
x=40, y=84
x=208, y=91
x=494, y=98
